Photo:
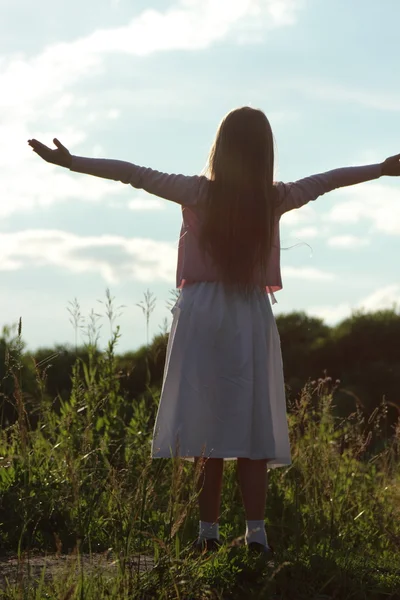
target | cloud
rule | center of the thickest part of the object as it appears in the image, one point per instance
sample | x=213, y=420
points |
x=115, y=258
x=331, y=314
x=46, y=185
x=304, y=215
x=306, y=233
x=348, y=242
x=307, y=274
x=385, y=298
x=377, y=203
x=187, y=25
x=146, y=204
x=42, y=88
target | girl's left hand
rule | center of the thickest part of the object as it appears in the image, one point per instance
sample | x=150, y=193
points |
x=61, y=156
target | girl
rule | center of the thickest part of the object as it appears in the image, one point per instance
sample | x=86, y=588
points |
x=223, y=392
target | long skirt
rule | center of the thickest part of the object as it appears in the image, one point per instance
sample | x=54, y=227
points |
x=223, y=393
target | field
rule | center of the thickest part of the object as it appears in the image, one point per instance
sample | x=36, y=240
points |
x=81, y=489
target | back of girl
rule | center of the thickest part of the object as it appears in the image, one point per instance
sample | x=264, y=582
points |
x=223, y=395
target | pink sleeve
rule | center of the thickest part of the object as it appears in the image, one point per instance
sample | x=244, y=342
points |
x=181, y=189
x=295, y=195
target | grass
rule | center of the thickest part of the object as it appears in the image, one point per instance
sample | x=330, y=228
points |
x=82, y=484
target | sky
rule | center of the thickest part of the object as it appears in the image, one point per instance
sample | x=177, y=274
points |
x=148, y=82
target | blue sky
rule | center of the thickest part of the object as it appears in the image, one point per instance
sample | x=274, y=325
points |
x=149, y=82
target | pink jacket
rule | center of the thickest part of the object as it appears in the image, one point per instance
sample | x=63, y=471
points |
x=190, y=191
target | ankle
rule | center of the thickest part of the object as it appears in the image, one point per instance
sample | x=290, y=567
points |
x=255, y=532
x=208, y=531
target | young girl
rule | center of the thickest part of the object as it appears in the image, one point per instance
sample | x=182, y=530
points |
x=223, y=392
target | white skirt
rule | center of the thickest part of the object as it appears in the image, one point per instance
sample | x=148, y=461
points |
x=223, y=392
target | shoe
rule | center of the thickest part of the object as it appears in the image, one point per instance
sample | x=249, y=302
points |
x=207, y=545
x=266, y=552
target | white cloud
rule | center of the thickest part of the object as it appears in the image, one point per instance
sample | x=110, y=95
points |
x=347, y=242
x=304, y=215
x=331, y=314
x=385, y=298
x=115, y=258
x=284, y=13
x=187, y=25
x=306, y=233
x=146, y=204
x=42, y=87
x=307, y=273
x=46, y=184
x=377, y=203
x=113, y=113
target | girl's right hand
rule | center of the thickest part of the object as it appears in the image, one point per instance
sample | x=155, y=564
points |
x=60, y=157
x=391, y=166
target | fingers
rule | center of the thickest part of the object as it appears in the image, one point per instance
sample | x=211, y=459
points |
x=60, y=146
x=42, y=150
x=36, y=145
x=58, y=156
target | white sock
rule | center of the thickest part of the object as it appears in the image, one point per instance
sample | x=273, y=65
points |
x=208, y=531
x=255, y=532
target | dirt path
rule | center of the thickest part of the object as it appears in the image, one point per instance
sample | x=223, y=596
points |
x=13, y=570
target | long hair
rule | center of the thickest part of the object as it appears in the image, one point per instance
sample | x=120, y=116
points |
x=238, y=223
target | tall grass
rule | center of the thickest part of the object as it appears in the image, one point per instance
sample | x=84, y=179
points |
x=82, y=482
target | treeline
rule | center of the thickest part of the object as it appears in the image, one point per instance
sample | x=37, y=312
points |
x=359, y=359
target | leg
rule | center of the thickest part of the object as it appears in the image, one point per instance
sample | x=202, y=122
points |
x=253, y=480
x=209, y=484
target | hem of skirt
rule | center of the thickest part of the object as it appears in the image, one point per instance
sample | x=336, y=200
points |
x=272, y=462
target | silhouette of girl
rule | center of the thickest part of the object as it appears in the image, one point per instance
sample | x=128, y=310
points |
x=223, y=392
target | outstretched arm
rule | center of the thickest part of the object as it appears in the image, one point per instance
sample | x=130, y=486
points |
x=181, y=189
x=295, y=195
